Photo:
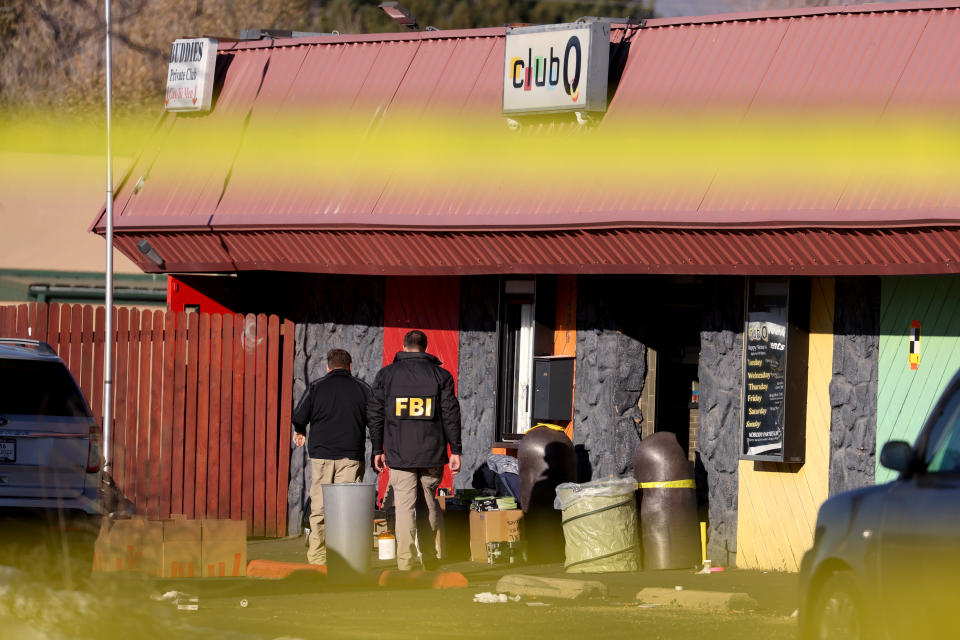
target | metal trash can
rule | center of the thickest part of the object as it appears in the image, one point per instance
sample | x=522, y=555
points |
x=348, y=515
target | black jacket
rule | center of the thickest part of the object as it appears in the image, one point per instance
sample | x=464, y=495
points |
x=335, y=406
x=413, y=412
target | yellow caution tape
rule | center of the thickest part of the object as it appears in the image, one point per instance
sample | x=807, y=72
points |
x=555, y=427
x=668, y=484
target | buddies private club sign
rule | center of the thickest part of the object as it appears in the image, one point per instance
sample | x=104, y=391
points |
x=190, y=74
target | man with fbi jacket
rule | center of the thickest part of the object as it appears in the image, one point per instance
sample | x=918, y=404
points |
x=413, y=415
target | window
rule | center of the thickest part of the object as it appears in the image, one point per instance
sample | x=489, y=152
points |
x=517, y=324
x=38, y=388
x=765, y=368
x=776, y=342
x=527, y=319
x=943, y=448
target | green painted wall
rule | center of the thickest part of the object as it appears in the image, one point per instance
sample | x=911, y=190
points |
x=905, y=397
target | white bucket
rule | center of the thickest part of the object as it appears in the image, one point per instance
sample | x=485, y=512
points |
x=387, y=547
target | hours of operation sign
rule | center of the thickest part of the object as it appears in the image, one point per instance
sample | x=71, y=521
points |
x=764, y=385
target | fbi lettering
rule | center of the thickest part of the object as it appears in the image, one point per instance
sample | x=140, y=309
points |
x=414, y=408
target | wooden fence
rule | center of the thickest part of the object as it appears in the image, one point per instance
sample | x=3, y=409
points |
x=202, y=404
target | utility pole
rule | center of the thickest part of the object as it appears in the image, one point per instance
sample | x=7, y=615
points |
x=108, y=295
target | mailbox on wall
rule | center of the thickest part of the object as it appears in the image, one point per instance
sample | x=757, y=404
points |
x=553, y=387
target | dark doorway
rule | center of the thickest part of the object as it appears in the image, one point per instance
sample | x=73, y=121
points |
x=672, y=320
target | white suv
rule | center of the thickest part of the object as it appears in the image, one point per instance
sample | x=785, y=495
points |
x=49, y=440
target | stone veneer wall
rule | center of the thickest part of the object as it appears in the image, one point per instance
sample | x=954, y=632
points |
x=477, y=373
x=720, y=374
x=343, y=312
x=853, y=389
x=610, y=371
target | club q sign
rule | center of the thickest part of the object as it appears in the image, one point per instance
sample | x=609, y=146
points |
x=556, y=68
x=190, y=75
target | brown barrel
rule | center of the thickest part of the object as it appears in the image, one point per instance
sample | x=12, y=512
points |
x=545, y=460
x=669, y=529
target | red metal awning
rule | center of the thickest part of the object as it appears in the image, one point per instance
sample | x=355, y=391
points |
x=933, y=250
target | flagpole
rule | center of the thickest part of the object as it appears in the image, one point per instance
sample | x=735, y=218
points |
x=108, y=301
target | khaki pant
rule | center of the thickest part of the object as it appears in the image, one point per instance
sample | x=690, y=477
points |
x=414, y=497
x=326, y=472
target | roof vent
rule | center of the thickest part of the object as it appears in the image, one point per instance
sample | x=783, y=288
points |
x=630, y=21
x=271, y=34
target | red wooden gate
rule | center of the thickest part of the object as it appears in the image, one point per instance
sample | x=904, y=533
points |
x=202, y=405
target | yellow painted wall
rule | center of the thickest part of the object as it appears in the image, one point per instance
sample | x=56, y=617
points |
x=778, y=503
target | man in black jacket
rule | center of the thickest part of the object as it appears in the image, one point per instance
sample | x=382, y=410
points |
x=414, y=414
x=335, y=407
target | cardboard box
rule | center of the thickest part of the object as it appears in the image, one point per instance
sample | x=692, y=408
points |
x=102, y=551
x=223, y=548
x=492, y=526
x=176, y=548
x=181, y=549
x=134, y=545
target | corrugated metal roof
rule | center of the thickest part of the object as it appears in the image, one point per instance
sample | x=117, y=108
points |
x=878, y=60
x=930, y=79
x=161, y=190
x=843, y=61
